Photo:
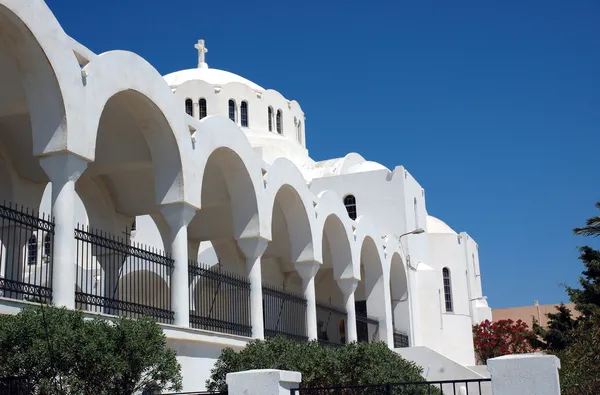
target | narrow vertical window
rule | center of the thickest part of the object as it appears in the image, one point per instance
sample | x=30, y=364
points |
x=270, y=115
x=300, y=132
x=189, y=107
x=279, y=122
x=244, y=114
x=232, y=110
x=416, y=207
x=447, y=289
x=350, y=203
x=48, y=245
x=32, y=249
x=202, y=109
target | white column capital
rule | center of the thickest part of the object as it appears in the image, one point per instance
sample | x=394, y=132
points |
x=307, y=269
x=63, y=167
x=347, y=285
x=253, y=247
x=178, y=215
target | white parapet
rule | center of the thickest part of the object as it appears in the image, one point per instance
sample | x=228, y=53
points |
x=525, y=374
x=263, y=382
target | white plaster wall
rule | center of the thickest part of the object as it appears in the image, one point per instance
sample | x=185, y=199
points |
x=446, y=250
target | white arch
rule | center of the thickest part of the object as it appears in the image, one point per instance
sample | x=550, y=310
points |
x=333, y=222
x=171, y=148
x=369, y=252
x=52, y=81
x=284, y=175
x=250, y=211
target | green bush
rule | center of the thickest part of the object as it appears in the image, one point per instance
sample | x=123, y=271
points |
x=62, y=353
x=580, y=361
x=353, y=364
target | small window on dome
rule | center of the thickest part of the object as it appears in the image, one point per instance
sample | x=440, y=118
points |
x=279, y=122
x=244, y=114
x=232, y=114
x=202, y=108
x=189, y=107
x=270, y=115
x=350, y=203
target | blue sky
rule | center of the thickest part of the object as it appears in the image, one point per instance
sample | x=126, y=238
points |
x=493, y=106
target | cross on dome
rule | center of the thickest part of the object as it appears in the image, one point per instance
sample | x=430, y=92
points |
x=201, y=51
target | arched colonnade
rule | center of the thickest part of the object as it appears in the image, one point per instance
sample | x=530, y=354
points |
x=104, y=132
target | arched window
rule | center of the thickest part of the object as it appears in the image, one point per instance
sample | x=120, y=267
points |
x=48, y=244
x=244, y=114
x=232, y=110
x=189, y=107
x=447, y=289
x=350, y=203
x=270, y=119
x=202, y=108
x=279, y=122
x=32, y=249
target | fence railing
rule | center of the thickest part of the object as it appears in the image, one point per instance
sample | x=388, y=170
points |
x=331, y=325
x=367, y=328
x=219, y=300
x=117, y=277
x=284, y=313
x=26, y=246
x=400, y=340
x=449, y=387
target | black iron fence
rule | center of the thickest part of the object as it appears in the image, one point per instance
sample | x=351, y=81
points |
x=219, y=300
x=450, y=387
x=15, y=386
x=400, y=340
x=26, y=245
x=117, y=277
x=367, y=328
x=331, y=325
x=284, y=313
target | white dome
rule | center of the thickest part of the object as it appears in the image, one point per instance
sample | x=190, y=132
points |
x=435, y=225
x=367, y=166
x=211, y=76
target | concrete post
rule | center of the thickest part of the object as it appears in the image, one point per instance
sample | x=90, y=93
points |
x=63, y=170
x=178, y=216
x=525, y=374
x=348, y=286
x=307, y=271
x=253, y=249
x=262, y=382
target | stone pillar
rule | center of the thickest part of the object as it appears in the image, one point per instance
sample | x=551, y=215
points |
x=253, y=249
x=525, y=374
x=307, y=271
x=63, y=170
x=348, y=286
x=262, y=382
x=388, y=323
x=178, y=216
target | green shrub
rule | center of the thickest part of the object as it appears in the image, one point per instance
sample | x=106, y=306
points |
x=353, y=364
x=62, y=353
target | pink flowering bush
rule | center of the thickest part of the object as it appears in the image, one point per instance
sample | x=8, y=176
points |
x=504, y=337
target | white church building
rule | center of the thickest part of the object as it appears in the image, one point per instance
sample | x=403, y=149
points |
x=192, y=197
